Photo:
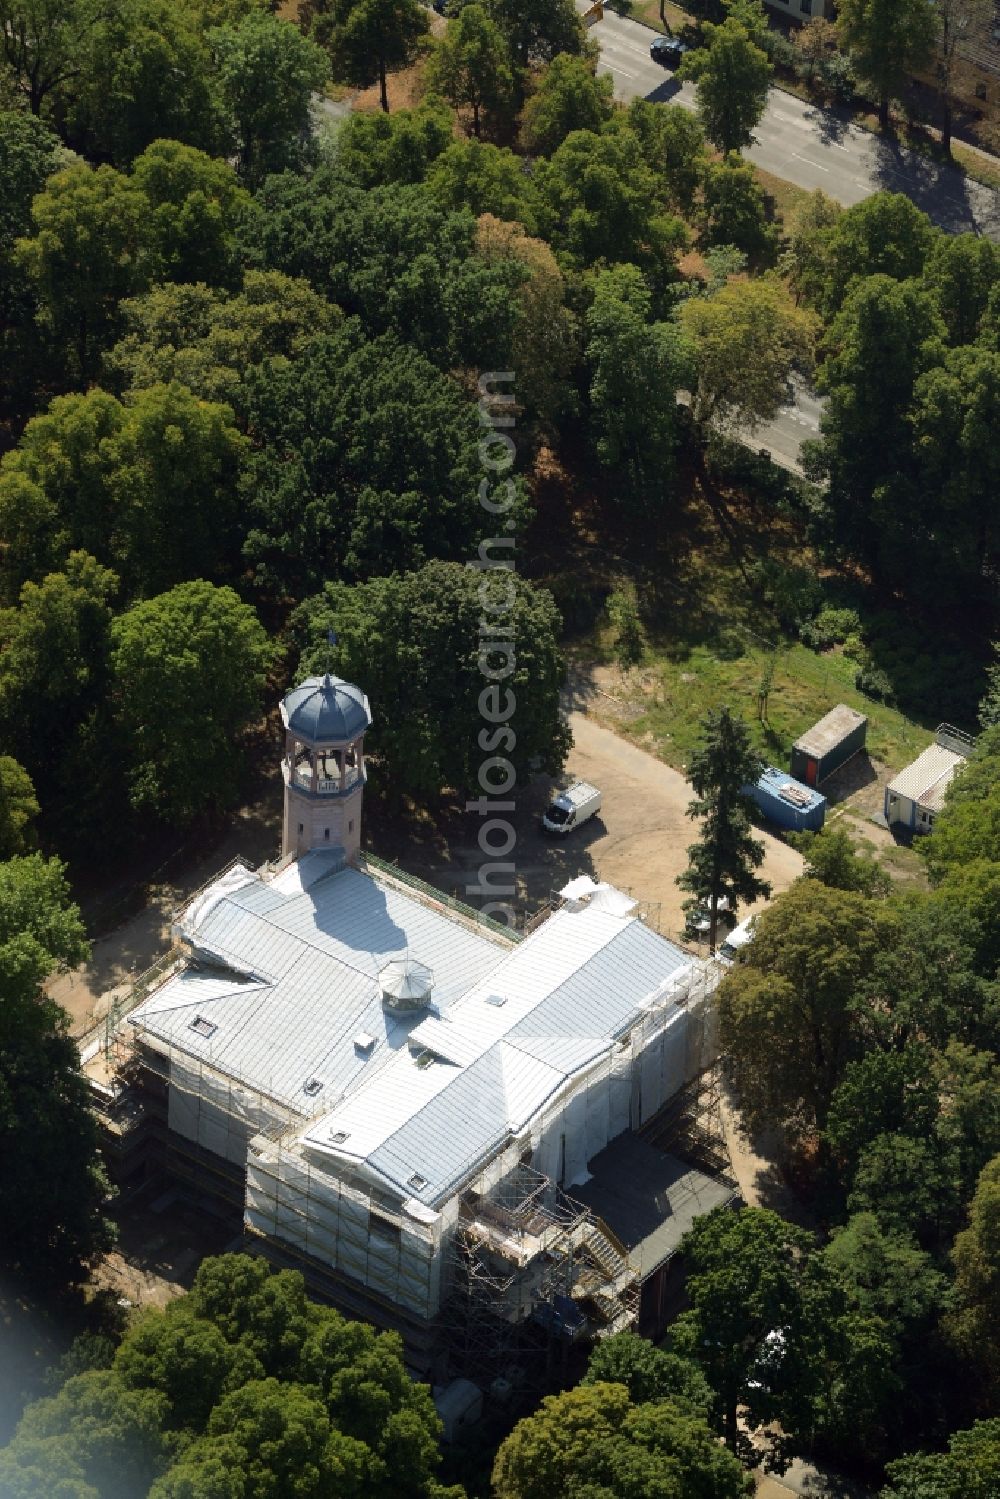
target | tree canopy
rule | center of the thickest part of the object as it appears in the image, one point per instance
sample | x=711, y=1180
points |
x=732, y=74
x=416, y=641
x=188, y=669
x=241, y=1388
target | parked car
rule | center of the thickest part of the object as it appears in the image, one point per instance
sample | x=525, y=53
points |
x=698, y=922
x=668, y=51
x=569, y=808
x=738, y=937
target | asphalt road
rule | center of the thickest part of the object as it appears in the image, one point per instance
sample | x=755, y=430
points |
x=811, y=148
x=807, y=146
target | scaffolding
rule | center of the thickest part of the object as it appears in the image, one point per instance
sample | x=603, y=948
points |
x=689, y=1123
x=499, y=1281
x=532, y=1272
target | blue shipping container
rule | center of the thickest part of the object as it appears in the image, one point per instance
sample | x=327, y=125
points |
x=787, y=802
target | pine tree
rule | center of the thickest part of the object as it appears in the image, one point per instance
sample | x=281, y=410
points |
x=724, y=859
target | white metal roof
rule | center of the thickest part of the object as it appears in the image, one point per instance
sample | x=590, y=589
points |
x=927, y=779
x=315, y=947
x=507, y=1026
x=579, y=982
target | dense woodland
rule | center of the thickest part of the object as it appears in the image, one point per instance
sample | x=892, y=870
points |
x=238, y=410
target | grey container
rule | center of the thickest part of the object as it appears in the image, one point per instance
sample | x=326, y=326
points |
x=828, y=745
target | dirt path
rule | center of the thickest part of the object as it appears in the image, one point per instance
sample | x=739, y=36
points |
x=645, y=814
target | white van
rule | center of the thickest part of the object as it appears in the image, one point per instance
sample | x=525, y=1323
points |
x=569, y=808
x=738, y=937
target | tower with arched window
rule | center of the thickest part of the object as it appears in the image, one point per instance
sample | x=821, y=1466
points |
x=325, y=722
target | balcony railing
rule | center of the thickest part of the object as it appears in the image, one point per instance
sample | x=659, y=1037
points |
x=326, y=785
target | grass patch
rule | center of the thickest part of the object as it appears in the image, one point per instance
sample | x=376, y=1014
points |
x=711, y=632
x=648, y=12
x=975, y=166
x=786, y=197
x=667, y=702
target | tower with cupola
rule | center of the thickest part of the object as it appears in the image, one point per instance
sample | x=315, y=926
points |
x=323, y=767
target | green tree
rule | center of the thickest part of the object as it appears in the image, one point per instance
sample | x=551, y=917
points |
x=396, y=259
x=732, y=75
x=673, y=146
x=889, y=1276
x=243, y=1387
x=188, y=673
x=370, y=464
x=599, y=201
x=884, y=235
x=594, y=1441
x=962, y=270
x=747, y=338
x=968, y=1470
x=415, y=641
x=832, y=859
x=470, y=66
x=38, y=917
x=637, y=367
x=375, y=149
x=86, y=252
x=973, y=1324
x=955, y=409
x=150, y=487
x=569, y=96
x=474, y=175
x=207, y=339
x=18, y=808
x=41, y=42
x=772, y=1330
x=805, y=258
x=143, y=73
x=724, y=860
x=29, y=153
x=888, y=41
x=879, y=1093
x=647, y=1372
x=887, y=334
x=369, y=39
x=266, y=73
x=629, y=641
x=51, y=1183
x=196, y=205
x=537, y=31
x=545, y=332
x=53, y=660
x=106, y=1438
x=734, y=211
x=788, y=1014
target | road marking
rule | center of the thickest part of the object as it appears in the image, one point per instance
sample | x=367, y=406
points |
x=611, y=67
x=810, y=163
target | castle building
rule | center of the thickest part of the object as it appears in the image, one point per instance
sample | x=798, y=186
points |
x=454, y=1130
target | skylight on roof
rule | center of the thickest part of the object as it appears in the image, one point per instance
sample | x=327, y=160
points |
x=339, y=1136
x=496, y=999
x=203, y=1027
x=417, y=1182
